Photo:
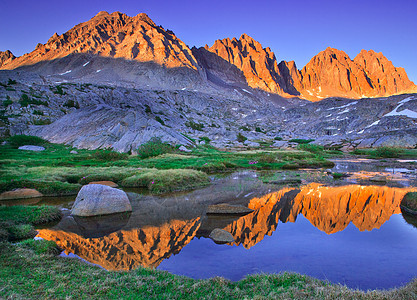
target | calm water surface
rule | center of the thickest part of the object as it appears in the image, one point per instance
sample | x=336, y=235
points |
x=353, y=233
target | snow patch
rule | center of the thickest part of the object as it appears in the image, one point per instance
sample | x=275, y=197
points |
x=66, y=72
x=343, y=112
x=246, y=91
x=183, y=89
x=406, y=112
x=374, y=123
x=343, y=106
x=98, y=71
x=86, y=63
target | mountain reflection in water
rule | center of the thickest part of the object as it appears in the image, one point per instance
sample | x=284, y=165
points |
x=138, y=242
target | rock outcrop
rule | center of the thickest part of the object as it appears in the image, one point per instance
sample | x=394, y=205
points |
x=221, y=236
x=6, y=57
x=97, y=199
x=228, y=63
x=332, y=73
x=114, y=35
x=258, y=65
x=20, y=194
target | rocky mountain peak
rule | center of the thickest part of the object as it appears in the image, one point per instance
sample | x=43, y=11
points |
x=258, y=64
x=332, y=72
x=240, y=62
x=6, y=57
x=114, y=35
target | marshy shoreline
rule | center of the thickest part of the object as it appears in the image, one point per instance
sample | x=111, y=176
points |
x=31, y=268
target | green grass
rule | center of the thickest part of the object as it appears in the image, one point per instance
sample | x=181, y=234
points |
x=16, y=222
x=29, y=214
x=109, y=155
x=55, y=171
x=311, y=148
x=10, y=231
x=301, y=141
x=24, y=273
x=387, y=152
x=20, y=140
x=41, y=246
x=154, y=147
x=338, y=175
x=241, y=138
x=162, y=181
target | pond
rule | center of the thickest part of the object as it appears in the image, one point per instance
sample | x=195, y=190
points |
x=348, y=231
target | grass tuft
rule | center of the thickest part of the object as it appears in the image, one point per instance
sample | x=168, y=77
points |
x=29, y=214
x=41, y=246
x=154, y=147
x=20, y=140
x=163, y=181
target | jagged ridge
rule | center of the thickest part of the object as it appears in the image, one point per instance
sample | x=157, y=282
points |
x=230, y=61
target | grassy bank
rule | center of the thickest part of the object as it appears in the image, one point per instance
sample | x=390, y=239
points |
x=16, y=222
x=26, y=272
x=387, y=152
x=56, y=171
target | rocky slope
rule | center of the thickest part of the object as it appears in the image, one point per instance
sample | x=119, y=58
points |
x=142, y=54
x=116, y=81
x=6, y=57
x=333, y=73
x=258, y=65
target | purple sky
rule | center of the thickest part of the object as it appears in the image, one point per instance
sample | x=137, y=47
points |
x=293, y=29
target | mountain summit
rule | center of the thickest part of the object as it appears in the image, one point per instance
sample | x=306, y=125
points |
x=230, y=63
x=114, y=35
x=332, y=72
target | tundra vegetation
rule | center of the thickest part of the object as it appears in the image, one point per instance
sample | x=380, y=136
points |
x=31, y=268
x=158, y=166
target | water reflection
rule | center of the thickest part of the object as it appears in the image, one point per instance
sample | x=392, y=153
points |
x=127, y=249
x=329, y=209
x=160, y=227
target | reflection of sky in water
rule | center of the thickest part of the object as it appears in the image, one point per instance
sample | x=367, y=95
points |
x=381, y=258
x=162, y=226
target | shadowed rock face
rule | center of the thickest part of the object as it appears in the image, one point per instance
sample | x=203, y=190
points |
x=330, y=209
x=127, y=249
x=258, y=64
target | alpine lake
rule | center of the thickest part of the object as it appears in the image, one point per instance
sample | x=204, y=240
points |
x=350, y=231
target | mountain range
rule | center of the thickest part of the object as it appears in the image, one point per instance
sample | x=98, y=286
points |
x=331, y=73
x=115, y=67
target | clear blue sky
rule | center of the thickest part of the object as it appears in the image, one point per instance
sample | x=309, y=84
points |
x=293, y=29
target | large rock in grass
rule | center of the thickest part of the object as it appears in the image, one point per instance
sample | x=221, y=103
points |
x=32, y=148
x=97, y=199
